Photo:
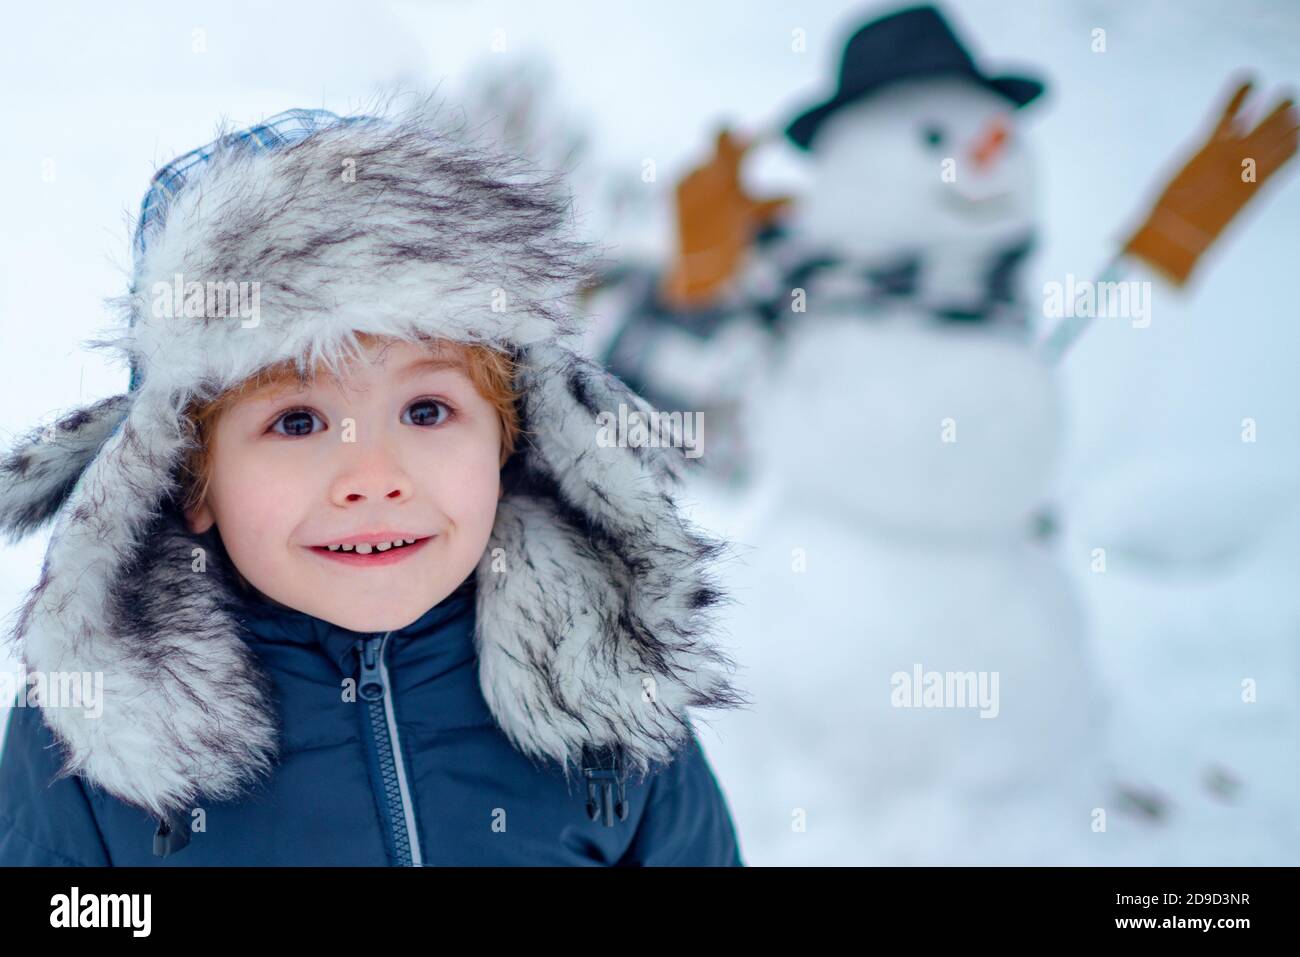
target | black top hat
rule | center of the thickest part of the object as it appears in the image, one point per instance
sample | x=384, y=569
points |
x=911, y=43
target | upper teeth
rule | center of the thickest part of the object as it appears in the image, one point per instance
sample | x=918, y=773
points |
x=366, y=548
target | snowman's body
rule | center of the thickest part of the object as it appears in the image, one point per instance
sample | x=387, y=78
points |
x=880, y=551
x=904, y=455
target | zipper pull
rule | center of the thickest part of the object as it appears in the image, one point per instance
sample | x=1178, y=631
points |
x=370, y=684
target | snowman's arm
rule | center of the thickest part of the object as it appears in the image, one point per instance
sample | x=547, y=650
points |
x=1196, y=205
x=1145, y=283
x=1067, y=331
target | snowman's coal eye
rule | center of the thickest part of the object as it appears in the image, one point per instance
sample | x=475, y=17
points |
x=932, y=136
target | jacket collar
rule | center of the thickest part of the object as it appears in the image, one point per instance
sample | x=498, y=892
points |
x=266, y=619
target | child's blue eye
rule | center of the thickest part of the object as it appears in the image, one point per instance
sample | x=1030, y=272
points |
x=423, y=412
x=296, y=422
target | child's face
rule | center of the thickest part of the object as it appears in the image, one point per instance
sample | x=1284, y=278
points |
x=395, y=449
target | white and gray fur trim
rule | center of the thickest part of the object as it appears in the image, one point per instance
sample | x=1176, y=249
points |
x=616, y=582
x=39, y=471
x=593, y=630
x=392, y=227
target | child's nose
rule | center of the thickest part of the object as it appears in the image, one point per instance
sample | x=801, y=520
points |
x=361, y=496
x=375, y=479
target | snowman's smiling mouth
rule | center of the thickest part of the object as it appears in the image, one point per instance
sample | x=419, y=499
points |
x=993, y=206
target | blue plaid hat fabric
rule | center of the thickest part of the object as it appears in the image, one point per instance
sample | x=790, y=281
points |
x=283, y=129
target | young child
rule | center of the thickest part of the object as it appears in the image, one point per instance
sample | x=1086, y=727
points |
x=347, y=577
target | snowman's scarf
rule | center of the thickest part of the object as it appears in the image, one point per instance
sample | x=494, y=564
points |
x=653, y=341
x=981, y=289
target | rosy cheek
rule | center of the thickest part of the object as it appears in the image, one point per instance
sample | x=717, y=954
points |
x=253, y=492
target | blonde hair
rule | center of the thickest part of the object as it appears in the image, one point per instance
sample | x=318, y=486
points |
x=491, y=371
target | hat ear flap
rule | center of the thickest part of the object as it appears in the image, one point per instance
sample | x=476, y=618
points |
x=125, y=591
x=575, y=407
x=39, y=472
x=593, y=575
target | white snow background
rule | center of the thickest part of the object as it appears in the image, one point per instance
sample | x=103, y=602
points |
x=1202, y=529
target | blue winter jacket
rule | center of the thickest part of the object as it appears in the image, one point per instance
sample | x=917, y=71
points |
x=413, y=772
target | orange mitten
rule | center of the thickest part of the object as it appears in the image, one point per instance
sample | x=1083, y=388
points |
x=1213, y=187
x=716, y=221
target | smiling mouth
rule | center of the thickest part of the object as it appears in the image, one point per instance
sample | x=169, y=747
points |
x=979, y=207
x=370, y=554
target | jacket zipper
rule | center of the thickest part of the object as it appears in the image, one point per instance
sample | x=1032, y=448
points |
x=375, y=688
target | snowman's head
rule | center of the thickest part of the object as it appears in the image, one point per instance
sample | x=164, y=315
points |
x=923, y=165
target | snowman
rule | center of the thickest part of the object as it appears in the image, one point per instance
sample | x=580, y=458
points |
x=905, y=434
x=877, y=226
x=917, y=654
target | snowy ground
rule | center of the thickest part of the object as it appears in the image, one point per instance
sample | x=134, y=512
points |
x=1215, y=779
x=1200, y=528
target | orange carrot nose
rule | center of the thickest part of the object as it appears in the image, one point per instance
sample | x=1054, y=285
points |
x=989, y=143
